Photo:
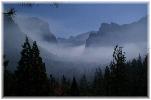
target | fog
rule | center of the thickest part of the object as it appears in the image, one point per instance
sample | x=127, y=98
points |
x=79, y=60
x=101, y=54
x=62, y=59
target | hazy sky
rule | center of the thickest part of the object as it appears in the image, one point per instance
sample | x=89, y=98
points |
x=73, y=19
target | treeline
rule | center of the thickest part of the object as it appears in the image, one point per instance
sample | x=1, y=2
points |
x=120, y=78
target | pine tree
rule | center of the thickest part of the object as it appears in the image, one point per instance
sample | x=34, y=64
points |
x=74, y=90
x=106, y=83
x=53, y=84
x=24, y=72
x=84, y=88
x=31, y=74
x=63, y=81
x=118, y=72
x=98, y=82
x=143, y=78
x=65, y=85
x=40, y=80
x=140, y=60
x=137, y=72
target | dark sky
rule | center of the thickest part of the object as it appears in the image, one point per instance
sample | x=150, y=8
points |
x=73, y=19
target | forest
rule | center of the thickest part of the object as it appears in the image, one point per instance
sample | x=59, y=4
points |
x=119, y=78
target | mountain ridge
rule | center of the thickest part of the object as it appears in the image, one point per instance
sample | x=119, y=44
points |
x=104, y=29
x=113, y=32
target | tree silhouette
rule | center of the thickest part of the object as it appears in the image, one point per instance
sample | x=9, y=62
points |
x=9, y=80
x=107, y=81
x=74, y=90
x=84, y=87
x=98, y=82
x=144, y=76
x=118, y=72
x=40, y=80
x=23, y=72
x=11, y=12
x=53, y=84
x=120, y=78
x=65, y=85
x=31, y=74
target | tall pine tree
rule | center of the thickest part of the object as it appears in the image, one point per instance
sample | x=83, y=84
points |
x=24, y=72
x=118, y=72
x=31, y=74
x=40, y=80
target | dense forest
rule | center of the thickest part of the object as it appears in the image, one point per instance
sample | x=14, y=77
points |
x=119, y=78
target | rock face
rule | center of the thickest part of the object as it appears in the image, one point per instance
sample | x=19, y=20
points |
x=75, y=40
x=37, y=29
x=112, y=34
x=105, y=28
x=81, y=38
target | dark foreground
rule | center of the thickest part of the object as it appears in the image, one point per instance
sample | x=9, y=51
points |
x=121, y=77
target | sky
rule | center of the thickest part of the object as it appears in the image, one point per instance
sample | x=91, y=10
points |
x=71, y=19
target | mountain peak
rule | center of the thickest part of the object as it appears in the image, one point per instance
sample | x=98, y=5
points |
x=112, y=33
x=106, y=27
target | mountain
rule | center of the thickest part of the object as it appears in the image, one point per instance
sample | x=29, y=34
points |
x=75, y=40
x=112, y=34
x=36, y=28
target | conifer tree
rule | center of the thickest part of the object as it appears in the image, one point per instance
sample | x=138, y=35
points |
x=24, y=72
x=98, y=82
x=106, y=82
x=118, y=72
x=74, y=90
x=65, y=85
x=40, y=80
x=84, y=87
x=53, y=84
x=145, y=77
x=31, y=74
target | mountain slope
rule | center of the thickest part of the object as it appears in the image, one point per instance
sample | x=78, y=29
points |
x=112, y=34
x=36, y=28
x=75, y=40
